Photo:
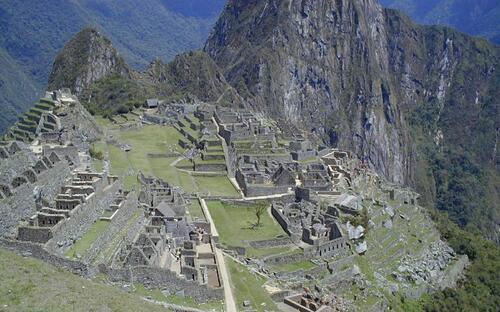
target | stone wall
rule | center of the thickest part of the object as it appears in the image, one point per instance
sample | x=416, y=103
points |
x=38, y=235
x=271, y=243
x=124, y=213
x=37, y=251
x=301, y=273
x=82, y=218
x=210, y=167
x=339, y=265
x=284, y=259
x=15, y=165
x=62, y=151
x=163, y=279
x=24, y=198
x=328, y=249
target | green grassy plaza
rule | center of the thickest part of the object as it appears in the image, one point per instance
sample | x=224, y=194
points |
x=154, y=139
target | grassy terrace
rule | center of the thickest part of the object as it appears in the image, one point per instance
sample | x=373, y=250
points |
x=195, y=210
x=295, y=266
x=31, y=285
x=157, y=140
x=249, y=286
x=107, y=252
x=234, y=224
x=81, y=245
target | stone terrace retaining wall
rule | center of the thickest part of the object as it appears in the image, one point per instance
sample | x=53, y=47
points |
x=78, y=223
x=49, y=184
x=127, y=209
x=339, y=265
x=285, y=259
x=163, y=279
x=37, y=251
x=301, y=273
x=270, y=243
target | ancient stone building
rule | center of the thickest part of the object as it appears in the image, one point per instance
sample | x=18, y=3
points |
x=310, y=223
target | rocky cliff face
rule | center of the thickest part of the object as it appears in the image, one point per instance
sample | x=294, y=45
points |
x=85, y=59
x=369, y=80
x=324, y=64
x=192, y=74
x=350, y=68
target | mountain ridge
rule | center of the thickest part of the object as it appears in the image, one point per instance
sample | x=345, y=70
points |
x=32, y=42
x=478, y=18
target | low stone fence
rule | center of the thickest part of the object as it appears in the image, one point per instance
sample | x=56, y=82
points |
x=241, y=203
x=301, y=273
x=284, y=259
x=37, y=251
x=163, y=279
x=163, y=155
x=271, y=243
x=207, y=174
x=221, y=198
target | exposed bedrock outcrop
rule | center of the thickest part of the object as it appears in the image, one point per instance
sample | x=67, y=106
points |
x=352, y=71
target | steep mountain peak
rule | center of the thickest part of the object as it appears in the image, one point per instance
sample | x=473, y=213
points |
x=368, y=80
x=85, y=59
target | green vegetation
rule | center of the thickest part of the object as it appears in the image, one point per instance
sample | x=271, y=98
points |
x=113, y=95
x=96, y=153
x=235, y=224
x=465, y=184
x=31, y=285
x=480, y=291
x=294, y=266
x=84, y=243
x=249, y=286
x=195, y=210
x=454, y=13
x=157, y=140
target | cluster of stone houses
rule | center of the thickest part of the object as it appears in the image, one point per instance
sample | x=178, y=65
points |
x=16, y=177
x=75, y=201
x=312, y=223
x=169, y=239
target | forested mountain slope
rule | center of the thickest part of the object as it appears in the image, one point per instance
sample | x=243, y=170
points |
x=32, y=33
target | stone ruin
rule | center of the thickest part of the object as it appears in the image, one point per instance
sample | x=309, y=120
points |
x=313, y=301
x=315, y=226
x=73, y=202
x=169, y=240
x=264, y=178
x=28, y=166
